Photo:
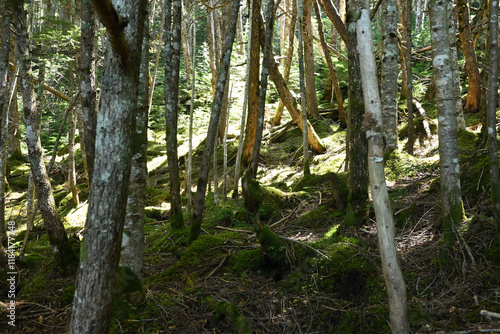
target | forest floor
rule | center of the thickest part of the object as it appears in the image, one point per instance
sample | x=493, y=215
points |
x=333, y=280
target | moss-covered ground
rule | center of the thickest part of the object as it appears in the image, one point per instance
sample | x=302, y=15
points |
x=224, y=281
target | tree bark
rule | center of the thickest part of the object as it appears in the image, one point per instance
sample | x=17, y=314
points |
x=408, y=73
x=63, y=254
x=492, y=103
x=471, y=65
x=4, y=107
x=454, y=65
x=171, y=87
x=453, y=212
x=263, y=81
x=389, y=73
x=199, y=202
x=253, y=84
x=311, y=100
x=88, y=85
x=393, y=275
x=288, y=62
x=356, y=137
x=100, y=249
x=133, y=228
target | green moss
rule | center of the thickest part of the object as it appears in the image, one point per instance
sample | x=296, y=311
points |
x=156, y=197
x=273, y=249
x=224, y=309
x=247, y=259
x=467, y=142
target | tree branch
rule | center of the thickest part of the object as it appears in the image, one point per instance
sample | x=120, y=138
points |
x=115, y=26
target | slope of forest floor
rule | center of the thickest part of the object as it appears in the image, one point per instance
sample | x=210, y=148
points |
x=332, y=282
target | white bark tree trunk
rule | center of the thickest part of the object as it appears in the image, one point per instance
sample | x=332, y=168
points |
x=385, y=221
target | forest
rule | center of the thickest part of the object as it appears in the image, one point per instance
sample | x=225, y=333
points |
x=277, y=166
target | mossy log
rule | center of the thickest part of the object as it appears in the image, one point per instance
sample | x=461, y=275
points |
x=224, y=309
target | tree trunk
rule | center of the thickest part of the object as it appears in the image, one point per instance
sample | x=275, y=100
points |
x=453, y=211
x=88, y=86
x=418, y=15
x=71, y=137
x=454, y=65
x=263, y=82
x=304, y=102
x=13, y=141
x=389, y=74
x=191, y=112
x=311, y=100
x=393, y=276
x=356, y=137
x=64, y=255
x=492, y=103
x=253, y=84
x=331, y=68
x=133, y=228
x=100, y=250
x=199, y=202
x=186, y=52
x=288, y=62
x=172, y=69
x=4, y=107
x=408, y=73
x=471, y=66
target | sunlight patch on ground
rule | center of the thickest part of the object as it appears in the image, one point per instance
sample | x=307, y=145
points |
x=77, y=216
x=156, y=162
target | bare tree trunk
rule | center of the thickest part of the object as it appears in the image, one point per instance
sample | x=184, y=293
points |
x=393, y=275
x=13, y=141
x=471, y=66
x=100, y=253
x=302, y=78
x=199, y=202
x=336, y=19
x=191, y=112
x=133, y=228
x=331, y=68
x=4, y=107
x=253, y=88
x=409, y=73
x=63, y=254
x=88, y=86
x=288, y=62
x=358, y=145
x=186, y=52
x=453, y=211
x=418, y=15
x=454, y=65
x=71, y=138
x=389, y=74
x=492, y=103
x=263, y=84
x=224, y=190
x=237, y=167
x=311, y=100
x=172, y=70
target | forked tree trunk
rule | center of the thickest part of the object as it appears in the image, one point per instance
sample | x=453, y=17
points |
x=199, y=201
x=389, y=73
x=63, y=253
x=263, y=85
x=471, y=66
x=453, y=210
x=132, y=252
x=393, y=275
x=100, y=250
x=171, y=87
x=492, y=103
